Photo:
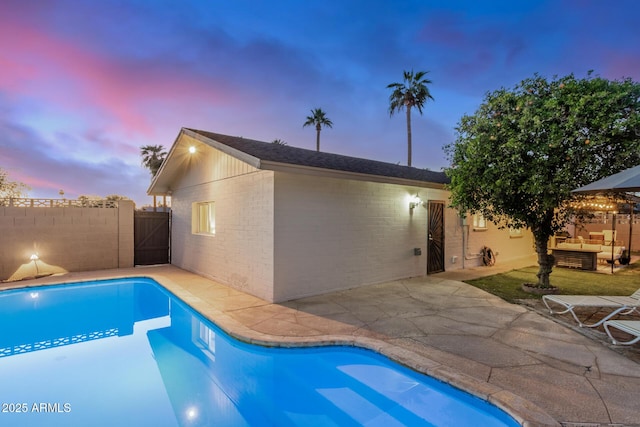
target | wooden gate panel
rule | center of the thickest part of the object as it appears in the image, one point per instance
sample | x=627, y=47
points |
x=435, y=233
x=151, y=232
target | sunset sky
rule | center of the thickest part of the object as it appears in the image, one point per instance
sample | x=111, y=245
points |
x=84, y=84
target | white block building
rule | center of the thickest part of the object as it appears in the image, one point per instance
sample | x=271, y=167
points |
x=281, y=222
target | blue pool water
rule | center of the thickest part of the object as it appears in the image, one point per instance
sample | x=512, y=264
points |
x=128, y=353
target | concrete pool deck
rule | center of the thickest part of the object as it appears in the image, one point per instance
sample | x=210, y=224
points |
x=537, y=369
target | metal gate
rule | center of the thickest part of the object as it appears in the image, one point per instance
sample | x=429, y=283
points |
x=151, y=235
x=435, y=245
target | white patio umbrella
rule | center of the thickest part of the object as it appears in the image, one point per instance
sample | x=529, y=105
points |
x=626, y=181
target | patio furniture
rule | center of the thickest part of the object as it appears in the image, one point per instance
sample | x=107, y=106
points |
x=631, y=327
x=574, y=255
x=596, y=236
x=618, y=304
x=609, y=236
x=585, y=254
x=611, y=255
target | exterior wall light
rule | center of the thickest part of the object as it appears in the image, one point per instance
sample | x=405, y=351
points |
x=414, y=201
x=35, y=258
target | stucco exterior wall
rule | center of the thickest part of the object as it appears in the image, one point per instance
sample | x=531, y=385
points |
x=67, y=238
x=240, y=254
x=335, y=234
x=505, y=246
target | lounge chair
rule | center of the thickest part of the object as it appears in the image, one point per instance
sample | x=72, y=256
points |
x=632, y=327
x=618, y=305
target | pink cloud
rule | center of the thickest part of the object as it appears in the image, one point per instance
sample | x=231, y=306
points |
x=37, y=182
x=43, y=65
x=623, y=67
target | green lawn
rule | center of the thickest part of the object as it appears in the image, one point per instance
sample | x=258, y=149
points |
x=570, y=281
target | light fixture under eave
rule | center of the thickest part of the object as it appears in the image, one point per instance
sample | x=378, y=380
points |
x=192, y=149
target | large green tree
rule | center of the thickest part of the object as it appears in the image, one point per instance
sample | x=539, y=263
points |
x=152, y=157
x=318, y=118
x=518, y=157
x=11, y=189
x=411, y=92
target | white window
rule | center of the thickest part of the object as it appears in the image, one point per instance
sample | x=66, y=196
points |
x=203, y=218
x=479, y=222
x=515, y=232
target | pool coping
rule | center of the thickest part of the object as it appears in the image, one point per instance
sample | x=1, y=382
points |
x=526, y=413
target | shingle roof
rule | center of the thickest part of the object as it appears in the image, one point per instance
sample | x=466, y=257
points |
x=299, y=156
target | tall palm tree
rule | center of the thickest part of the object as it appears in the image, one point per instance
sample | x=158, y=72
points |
x=412, y=92
x=319, y=119
x=152, y=157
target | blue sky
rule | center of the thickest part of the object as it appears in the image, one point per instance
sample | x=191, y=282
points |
x=84, y=84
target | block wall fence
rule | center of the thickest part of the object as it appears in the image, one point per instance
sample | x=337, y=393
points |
x=622, y=231
x=65, y=237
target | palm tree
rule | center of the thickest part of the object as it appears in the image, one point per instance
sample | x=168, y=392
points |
x=152, y=157
x=413, y=92
x=319, y=119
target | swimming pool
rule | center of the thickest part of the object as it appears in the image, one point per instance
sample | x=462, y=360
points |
x=127, y=352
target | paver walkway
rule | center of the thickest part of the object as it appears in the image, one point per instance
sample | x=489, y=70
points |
x=541, y=371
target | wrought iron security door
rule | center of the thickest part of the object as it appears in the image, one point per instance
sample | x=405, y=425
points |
x=435, y=235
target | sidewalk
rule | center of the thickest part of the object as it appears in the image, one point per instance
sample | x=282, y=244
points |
x=589, y=315
x=471, y=273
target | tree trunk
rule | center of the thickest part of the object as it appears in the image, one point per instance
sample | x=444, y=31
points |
x=408, y=135
x=318, y=137
x=545, y=260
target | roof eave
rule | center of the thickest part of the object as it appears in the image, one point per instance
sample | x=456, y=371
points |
x=339, y=174
x=151, y=191
x=159, y=184
x=240, y=155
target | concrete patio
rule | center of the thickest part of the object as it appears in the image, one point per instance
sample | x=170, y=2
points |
x=539, y=370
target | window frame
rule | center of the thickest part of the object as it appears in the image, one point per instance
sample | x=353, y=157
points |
x=203, y=218
x=515, y=233
x=479, y=222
